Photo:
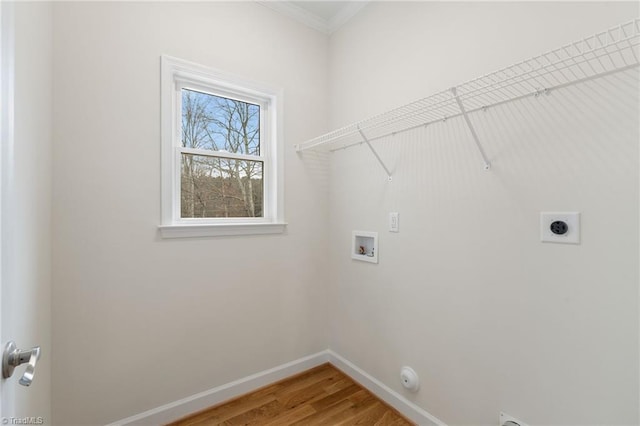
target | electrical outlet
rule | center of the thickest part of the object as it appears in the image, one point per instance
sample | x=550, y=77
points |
x=394, y=222
x=560, y=227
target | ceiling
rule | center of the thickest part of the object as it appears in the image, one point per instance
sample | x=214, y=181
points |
x=324, y=16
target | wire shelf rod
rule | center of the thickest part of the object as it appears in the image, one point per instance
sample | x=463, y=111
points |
x=376, y=155
x=476, y=108
x=603, y=53
x=474, y=135
x=510, y=81
x=560, y=60
x=483, y=108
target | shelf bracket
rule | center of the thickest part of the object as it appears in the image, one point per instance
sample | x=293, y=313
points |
x=487, y=165
x=375, y=154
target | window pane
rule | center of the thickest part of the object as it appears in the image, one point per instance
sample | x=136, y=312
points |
x=219, y=124
x=220, y=187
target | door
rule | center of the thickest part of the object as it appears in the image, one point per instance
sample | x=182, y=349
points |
x=25, y=204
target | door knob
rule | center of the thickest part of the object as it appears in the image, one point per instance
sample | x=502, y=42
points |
x=13, y=357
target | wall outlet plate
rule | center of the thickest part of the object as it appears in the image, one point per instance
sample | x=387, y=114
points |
x=394, y=222
x=504, y=418
x=560, y=227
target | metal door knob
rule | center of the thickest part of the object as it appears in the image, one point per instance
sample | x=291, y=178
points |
x=13, y=357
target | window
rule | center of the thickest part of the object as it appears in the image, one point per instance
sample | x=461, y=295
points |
x=221, y=159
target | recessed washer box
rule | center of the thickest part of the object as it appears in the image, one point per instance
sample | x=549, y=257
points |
x=364, y=246
x=560, y=227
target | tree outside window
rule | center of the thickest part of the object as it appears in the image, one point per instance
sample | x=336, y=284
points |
x=217, y=186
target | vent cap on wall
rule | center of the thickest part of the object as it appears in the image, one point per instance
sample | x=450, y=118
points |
x=507, y=420
x=409, y=379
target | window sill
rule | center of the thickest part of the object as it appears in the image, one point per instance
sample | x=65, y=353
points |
x=209, y=230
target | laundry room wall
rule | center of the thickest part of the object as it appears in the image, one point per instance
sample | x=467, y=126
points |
x=490, y=318
x=140, y=321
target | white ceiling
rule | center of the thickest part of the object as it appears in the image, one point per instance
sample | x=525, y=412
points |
x=324, y=16
x=323, y=9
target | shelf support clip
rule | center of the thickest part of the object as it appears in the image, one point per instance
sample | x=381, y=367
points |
x=487, y=165
x=375, y=154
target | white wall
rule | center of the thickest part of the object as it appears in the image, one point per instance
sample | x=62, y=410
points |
x=489, y=317
x=140, y=321
x=466, y=294
x=26, y=219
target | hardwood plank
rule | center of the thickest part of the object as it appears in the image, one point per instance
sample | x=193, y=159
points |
x=388, y=419
x=318, y=417
x=295, y=384
x=323, y=395
x=357, y=408
x=370, y=416
x=338, y=385
x=228, y=411
x=210, y=415
x=360, y=396
x=257, y=416
x=401, y=421
x=303, y=396
x=290, y=417
x=336, y=397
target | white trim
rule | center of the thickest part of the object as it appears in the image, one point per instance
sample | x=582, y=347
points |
x=187, y=71
x=192, y=404
x=174, y=74
x=301, y=15
x=310, y=19
x=183, y=407
x=385, y=393
x=7, y=80
x=217, y=230
x=345, y=14
x=220, y=154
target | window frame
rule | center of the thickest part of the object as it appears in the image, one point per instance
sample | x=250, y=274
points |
x=177, y=74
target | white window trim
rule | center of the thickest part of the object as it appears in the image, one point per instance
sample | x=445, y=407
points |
x=177, y=73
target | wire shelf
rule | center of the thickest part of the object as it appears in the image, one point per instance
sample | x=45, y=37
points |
x=601, y=54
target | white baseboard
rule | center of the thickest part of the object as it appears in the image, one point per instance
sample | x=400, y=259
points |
x=183, y=407
x=385, y=393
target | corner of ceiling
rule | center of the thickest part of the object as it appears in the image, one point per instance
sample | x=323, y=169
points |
x=345, y=14
x=295, y=11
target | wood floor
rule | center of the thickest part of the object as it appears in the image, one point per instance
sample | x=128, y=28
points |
x=321, y=396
